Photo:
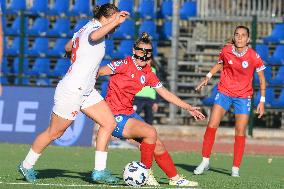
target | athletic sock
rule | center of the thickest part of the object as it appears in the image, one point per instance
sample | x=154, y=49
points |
x=100, y=160
x=239, y=148
x=30, y=159
x=208, y=141
x=147, y=152
x=166, y=163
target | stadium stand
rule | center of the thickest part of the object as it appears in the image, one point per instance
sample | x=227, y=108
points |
x=202, y=34
x=278, y=56
x=39, y=7
x=59, y=8
x=277, y=34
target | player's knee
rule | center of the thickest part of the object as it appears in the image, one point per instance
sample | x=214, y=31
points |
x=160, y=148
x=152, y=133
x=240, y=132
x=109, y=125
x=53, y=135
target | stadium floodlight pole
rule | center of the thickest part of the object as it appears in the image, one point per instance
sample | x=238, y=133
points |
x=253, y=44
x=172, y=67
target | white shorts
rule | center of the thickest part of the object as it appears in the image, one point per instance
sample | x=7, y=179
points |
x=68, y=103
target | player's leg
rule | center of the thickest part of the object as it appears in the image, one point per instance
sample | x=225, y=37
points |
x=241, y=110
x=101, y=113
x=135, y=128
x=221, y=105
x=165, y=162
x=56, y=128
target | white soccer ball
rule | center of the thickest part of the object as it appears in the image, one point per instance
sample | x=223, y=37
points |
x=135, y=174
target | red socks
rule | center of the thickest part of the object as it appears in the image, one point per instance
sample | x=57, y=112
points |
x=147, y=153
x=239, y=148
x=166, y=163
x=208, y=141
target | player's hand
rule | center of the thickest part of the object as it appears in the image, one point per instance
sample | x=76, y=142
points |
x=121, y=16
x=155, y=107
x=194, y=111
x=260, y=109
x=203, y=83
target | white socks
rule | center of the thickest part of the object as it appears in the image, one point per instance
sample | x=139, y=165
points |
x=30, y=159
x=205, y=160
x=100, y=160
x=175, y=178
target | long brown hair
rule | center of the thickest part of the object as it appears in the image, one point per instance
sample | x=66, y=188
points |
x=105, y=10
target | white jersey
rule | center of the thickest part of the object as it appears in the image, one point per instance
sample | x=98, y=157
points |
x=86, y=58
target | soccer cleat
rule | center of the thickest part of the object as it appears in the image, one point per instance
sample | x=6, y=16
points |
x=104, y=176
x=204, y=166
x=151, y=179
x=235, y=172
x=29, y=174
x=183, y=182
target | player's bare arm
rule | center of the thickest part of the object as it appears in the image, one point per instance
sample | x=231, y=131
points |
x=260, y=108
x=172, y=98
x=120, y=17
x=104, y=70
x=205, y=81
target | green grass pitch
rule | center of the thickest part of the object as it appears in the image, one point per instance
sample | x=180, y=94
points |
x=70, y=167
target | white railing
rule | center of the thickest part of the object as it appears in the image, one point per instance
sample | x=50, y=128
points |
x=243, y=8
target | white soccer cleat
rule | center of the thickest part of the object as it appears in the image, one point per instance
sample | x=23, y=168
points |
x=235, y=172
x=203, y=166
x=183, y=182
x=152, y=180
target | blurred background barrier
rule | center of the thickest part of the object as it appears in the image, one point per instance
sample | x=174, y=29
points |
x=24, y=114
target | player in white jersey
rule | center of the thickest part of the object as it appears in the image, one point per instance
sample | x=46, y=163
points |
x=76, y=92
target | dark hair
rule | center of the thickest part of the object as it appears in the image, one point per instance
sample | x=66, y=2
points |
x=239, y=27
x=145, y=38
x=105, y=10
x=242, y=27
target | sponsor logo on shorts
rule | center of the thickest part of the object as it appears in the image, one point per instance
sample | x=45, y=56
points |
x=118, y=118
x=245, y=64
x=217, y=96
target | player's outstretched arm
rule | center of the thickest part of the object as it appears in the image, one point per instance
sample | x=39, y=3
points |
x=260, y=108
x=205, y=81
x=104, y=70
x=172, y=98
x=105, y=29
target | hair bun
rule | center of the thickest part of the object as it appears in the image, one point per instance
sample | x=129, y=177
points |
x=145, y=35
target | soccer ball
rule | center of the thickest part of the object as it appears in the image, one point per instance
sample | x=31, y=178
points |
x=135, y=174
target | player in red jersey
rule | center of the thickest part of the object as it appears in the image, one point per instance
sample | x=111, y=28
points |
x=128, y=77
x=237, y=63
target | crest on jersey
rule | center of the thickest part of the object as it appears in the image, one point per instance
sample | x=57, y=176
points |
x=230, y=62
x=142, y=79
x=245, y=64
x=118, y=63
x=118, y=118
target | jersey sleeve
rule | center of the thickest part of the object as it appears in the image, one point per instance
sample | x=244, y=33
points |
x=259, y=64
x=221, y=57
x=153, y=81
x=119, y=66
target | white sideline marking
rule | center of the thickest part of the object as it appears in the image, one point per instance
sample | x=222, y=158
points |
x=71, y=185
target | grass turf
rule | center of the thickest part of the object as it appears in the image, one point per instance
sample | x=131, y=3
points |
x=70, y=167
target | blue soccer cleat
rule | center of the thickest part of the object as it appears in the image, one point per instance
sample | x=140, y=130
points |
x=104, y=176
x=29, y=174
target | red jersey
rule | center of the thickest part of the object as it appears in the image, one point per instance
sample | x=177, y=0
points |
x=128, y=79
x=238, y=69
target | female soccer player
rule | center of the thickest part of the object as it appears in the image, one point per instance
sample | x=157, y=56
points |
x=75, y=92
x=128, y=77
x=238, y=63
